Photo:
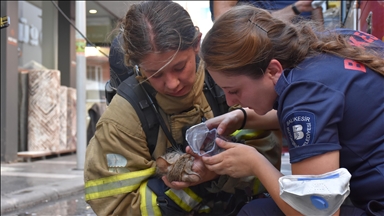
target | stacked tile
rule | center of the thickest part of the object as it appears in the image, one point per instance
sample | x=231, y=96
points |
x=44, y=110
x=71, y=119
x=63, y=118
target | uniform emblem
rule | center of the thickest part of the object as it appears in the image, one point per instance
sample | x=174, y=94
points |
x=117, y=163
x=300, y=128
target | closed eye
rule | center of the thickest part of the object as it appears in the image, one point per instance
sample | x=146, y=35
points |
x=180, y=69
x=157, y=75
x=232, y=92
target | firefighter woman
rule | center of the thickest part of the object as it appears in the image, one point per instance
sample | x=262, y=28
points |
x=161, y=43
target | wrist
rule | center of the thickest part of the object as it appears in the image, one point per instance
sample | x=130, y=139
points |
x=244, y=117
x=295, y=9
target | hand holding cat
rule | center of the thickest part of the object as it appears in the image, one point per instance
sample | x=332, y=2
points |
x=178, y=185
x=198, y=167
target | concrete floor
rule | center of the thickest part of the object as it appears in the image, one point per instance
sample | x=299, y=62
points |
x=27, y=184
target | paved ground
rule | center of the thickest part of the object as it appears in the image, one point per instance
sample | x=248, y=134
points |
x=26, y=184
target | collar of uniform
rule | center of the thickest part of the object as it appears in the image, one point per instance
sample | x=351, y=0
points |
x=281, y=84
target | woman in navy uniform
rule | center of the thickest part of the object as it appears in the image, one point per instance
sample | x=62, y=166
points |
x=328, y=90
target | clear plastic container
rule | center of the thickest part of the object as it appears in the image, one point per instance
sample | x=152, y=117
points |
x=202, y=140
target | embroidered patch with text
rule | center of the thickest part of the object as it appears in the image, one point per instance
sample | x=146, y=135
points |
x=300, y=128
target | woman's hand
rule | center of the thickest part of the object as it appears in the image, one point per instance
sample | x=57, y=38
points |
x=232, y=121
x=237, y=160
x=226, y=123
x=178, y=185
x=304, y=6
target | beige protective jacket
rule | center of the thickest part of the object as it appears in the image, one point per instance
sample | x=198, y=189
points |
x=118, y=163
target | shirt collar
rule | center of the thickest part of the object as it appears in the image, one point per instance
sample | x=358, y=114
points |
x=281, y=84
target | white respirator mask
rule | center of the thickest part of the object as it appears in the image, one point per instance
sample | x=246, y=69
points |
x=316, y=194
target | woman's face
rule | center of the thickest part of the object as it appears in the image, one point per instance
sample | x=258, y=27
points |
x=176, y=78
x=257, y=94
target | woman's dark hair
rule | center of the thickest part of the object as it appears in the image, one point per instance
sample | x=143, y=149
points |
x=156, y=26
x=246, y=38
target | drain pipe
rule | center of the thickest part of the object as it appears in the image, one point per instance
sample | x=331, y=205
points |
x=80, y=84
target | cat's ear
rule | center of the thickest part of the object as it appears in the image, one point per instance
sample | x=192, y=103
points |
x=162, y=164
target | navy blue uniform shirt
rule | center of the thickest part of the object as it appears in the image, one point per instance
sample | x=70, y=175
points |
x=329, y=103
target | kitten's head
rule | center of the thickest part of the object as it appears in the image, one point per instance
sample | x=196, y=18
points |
x=165, y=163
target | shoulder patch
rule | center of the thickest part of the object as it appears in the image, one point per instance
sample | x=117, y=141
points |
x=117, y=163
x=116, y=160
x=300, y=128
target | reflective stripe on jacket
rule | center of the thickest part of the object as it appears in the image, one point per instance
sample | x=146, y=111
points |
x=148, y=206
x=117, y=184
x=185, y=198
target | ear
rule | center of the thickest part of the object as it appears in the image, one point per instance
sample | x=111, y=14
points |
x=196, y=48
x=274, y=70
x=162, y=165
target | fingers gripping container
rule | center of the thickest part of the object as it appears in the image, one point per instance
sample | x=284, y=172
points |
x=316, y=194
x=202, y=140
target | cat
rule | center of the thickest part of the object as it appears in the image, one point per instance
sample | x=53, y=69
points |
x=177, y=166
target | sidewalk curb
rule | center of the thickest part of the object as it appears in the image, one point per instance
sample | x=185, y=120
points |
x=35, y=195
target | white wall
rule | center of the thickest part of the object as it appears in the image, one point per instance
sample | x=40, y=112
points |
x=200, y=14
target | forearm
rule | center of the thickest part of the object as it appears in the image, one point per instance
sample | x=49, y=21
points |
x=269, y=177
x=268, y=121
x=106, y=190
x=116, y=167
x=288, y=13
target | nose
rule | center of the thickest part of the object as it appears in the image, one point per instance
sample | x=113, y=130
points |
x=231, y=100
x=172, y=82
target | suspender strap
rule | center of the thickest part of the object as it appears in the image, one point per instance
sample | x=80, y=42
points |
x=146, y=108
x=134, y=94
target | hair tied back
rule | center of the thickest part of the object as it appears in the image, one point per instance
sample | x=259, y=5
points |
x=258, y=26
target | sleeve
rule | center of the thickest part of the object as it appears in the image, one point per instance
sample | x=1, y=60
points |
x=309, y=119
x=118, y=164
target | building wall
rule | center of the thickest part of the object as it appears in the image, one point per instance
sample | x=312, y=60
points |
x=9, y=87
x=38, y=44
